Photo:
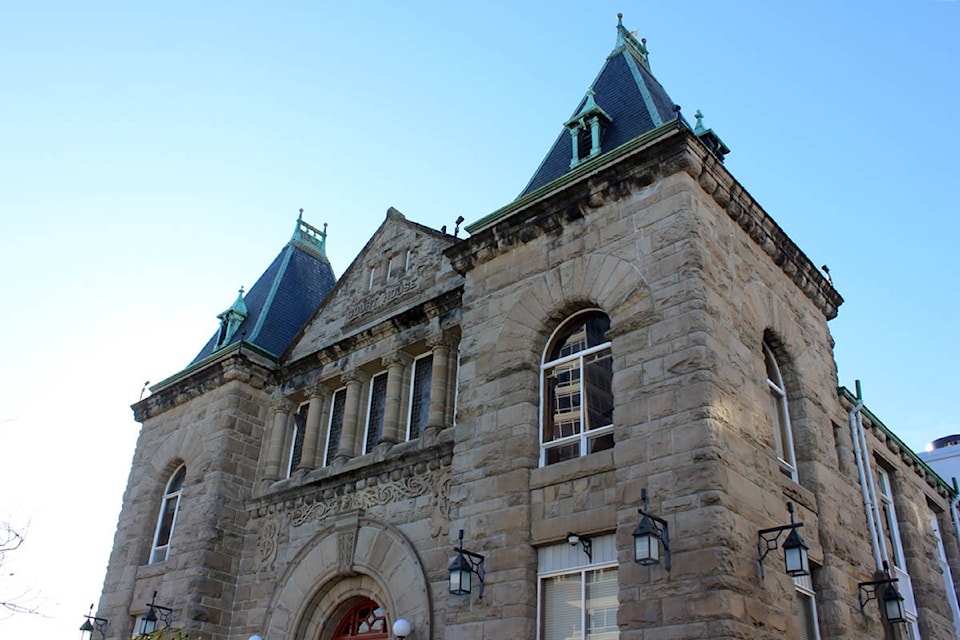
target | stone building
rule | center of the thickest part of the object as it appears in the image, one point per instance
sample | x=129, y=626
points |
x=633, y=324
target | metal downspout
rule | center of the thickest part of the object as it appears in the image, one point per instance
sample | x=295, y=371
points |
x=861, y=459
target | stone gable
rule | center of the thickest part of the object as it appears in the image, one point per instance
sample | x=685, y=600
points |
x=401, y=267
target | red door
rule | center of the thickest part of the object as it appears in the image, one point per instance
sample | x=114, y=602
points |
x=365, y=620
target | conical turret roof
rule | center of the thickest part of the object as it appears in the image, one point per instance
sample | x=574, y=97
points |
x=284, y=298
x=624, y=92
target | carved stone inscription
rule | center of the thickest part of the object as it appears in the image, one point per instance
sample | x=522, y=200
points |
x=380, y=299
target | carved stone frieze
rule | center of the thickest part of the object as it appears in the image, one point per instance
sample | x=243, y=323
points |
x=373, y=494
x=355, y=497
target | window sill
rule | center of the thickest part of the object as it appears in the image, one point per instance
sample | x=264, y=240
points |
x=587, y=465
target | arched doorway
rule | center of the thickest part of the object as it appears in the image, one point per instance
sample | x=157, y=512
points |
x=364, y=620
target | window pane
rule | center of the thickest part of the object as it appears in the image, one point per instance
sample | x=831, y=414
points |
x=166, y=520
x=779, y=425
x=378, y=401
x=176, y=482
x=589, y=332
x=599, y=373
x=563, y=402
x=808, y=625
x=420, y=401
x=602, y=605
x=296, y=447
x=336, y=425
x=601, y=442
x=563, y=452
x=560, y=608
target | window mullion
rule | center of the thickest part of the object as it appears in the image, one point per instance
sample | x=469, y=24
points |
x=583, y=604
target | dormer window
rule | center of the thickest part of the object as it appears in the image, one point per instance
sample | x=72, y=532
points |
x=586, y=131
x=585, y=147
x=230, y=320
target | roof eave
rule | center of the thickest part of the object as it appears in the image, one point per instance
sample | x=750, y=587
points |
x=851, y=399
x=577, y=173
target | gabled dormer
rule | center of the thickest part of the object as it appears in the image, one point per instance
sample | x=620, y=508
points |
x=283, y=298
x=624, y=102
x=230, y=320
x=586, y=130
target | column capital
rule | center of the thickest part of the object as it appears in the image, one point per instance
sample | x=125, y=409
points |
x=354, y=376
x=442, y=339
x=398, y=357
x=281, y=404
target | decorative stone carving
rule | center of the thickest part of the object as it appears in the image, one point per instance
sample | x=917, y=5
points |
x=267, y=543
x=373, y=492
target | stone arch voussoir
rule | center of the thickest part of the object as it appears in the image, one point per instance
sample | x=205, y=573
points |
x=600, y=280
x=351, y=557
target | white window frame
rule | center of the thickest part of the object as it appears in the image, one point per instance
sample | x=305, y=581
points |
x=786, y=454
x=804, y=586
x=585, y=435
x=413, y=382
x=947, y=574
x=577, y=562
x=333, y=404
x=160, y=552
x=898, y=565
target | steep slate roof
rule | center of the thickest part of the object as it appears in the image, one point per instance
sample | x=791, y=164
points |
x=627, y=92
x=285, y=297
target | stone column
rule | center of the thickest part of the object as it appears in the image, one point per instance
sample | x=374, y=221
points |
x=436, y=418
x=281, y=408
x=351, y=413
x=311, y=430
x=395, y=365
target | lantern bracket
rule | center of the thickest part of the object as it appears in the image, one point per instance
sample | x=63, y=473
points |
x=93, y=623
x=474, y=561
x=871, y=590
x=659, y=525
x=767, y=539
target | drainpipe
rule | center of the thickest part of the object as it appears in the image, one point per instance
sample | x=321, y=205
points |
x=954, y=504
x=863, y=467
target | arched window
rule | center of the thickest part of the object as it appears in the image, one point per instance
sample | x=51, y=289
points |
x=168, y=516
x=365, y=620
x=577, y=389
x=779, y=414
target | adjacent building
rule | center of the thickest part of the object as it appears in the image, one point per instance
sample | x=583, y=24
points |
x=633, y=332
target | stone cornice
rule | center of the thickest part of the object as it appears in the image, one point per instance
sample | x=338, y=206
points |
x=674, y=149
x=235, y=363
x=720, y=184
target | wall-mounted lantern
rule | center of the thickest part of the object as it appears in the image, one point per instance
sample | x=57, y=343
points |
x=794, y=548
x=462, y=569
x=651, y=532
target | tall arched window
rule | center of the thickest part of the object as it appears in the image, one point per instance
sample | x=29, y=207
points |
x=365, y=620
x=168, y=516
x=577, y=389
x=779, y=414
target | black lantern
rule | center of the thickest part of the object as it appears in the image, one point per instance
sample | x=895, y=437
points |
x=94, y=624
x=891, y=598
x=155, y=614
x=893, y=604
x=460, y=575
x=795, y=555
x=650, y=533
x=794, y=548
x=462, y=569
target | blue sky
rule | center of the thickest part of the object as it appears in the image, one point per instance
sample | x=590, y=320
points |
x=153, y=157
